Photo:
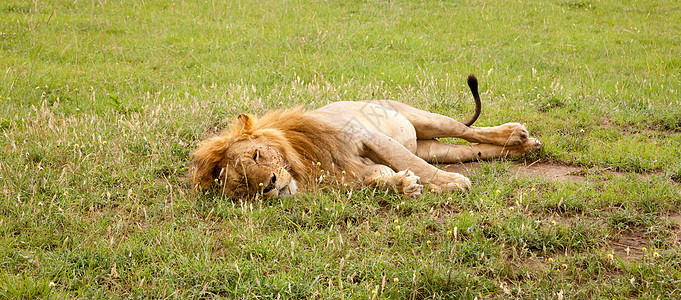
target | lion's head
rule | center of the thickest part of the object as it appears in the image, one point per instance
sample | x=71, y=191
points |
x=243, y=162
x=272, y=155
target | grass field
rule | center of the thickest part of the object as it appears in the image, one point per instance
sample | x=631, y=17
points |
x=101, y=103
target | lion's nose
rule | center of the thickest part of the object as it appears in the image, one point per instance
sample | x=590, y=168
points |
x=270, y=185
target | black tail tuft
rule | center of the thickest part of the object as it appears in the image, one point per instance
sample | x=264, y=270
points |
x=473, y=84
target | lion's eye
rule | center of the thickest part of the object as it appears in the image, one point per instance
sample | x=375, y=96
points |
x=256, y=155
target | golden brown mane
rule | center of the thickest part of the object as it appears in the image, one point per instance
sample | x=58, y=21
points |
x=307, y=143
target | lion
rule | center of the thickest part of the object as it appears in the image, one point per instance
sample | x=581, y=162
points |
x=381, y=143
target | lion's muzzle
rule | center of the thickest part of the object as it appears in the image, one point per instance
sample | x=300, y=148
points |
x=280, y=186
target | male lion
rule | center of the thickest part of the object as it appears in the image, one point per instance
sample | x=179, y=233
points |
x=380, y=142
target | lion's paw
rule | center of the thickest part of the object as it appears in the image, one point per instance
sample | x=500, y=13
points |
x=449, y=182
x=409, y=184
x=512, y=134
x=530, y=145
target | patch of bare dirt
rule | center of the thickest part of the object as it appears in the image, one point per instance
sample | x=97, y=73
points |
x=676, y=238
x=676, y=219
x=605, y=121
x=630, y=245
x=547, y=170
x=550, y=171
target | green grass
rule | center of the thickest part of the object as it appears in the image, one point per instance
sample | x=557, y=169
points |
x=101, y=103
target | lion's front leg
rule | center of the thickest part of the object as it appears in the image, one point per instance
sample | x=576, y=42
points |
x=404, y=182
x=387, y=151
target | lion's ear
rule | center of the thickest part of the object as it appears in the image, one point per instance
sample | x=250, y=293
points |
x=243, y=123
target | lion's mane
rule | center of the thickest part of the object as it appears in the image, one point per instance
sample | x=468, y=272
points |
x=308, y=144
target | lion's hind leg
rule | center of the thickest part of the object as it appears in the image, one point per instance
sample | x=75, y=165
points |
x=434, y=151
x=404, y=182
x=430, y=125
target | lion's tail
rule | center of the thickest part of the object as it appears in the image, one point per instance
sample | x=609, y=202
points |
x=473, y=84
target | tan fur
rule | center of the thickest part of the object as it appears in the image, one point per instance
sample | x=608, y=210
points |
x=381, y=143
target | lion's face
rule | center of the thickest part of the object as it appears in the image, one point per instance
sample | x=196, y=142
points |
x=251, y=166
x=243, y=163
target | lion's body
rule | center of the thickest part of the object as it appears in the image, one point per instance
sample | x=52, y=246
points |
x=383, y=143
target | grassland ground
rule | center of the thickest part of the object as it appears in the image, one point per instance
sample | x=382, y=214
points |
x=101, y=103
